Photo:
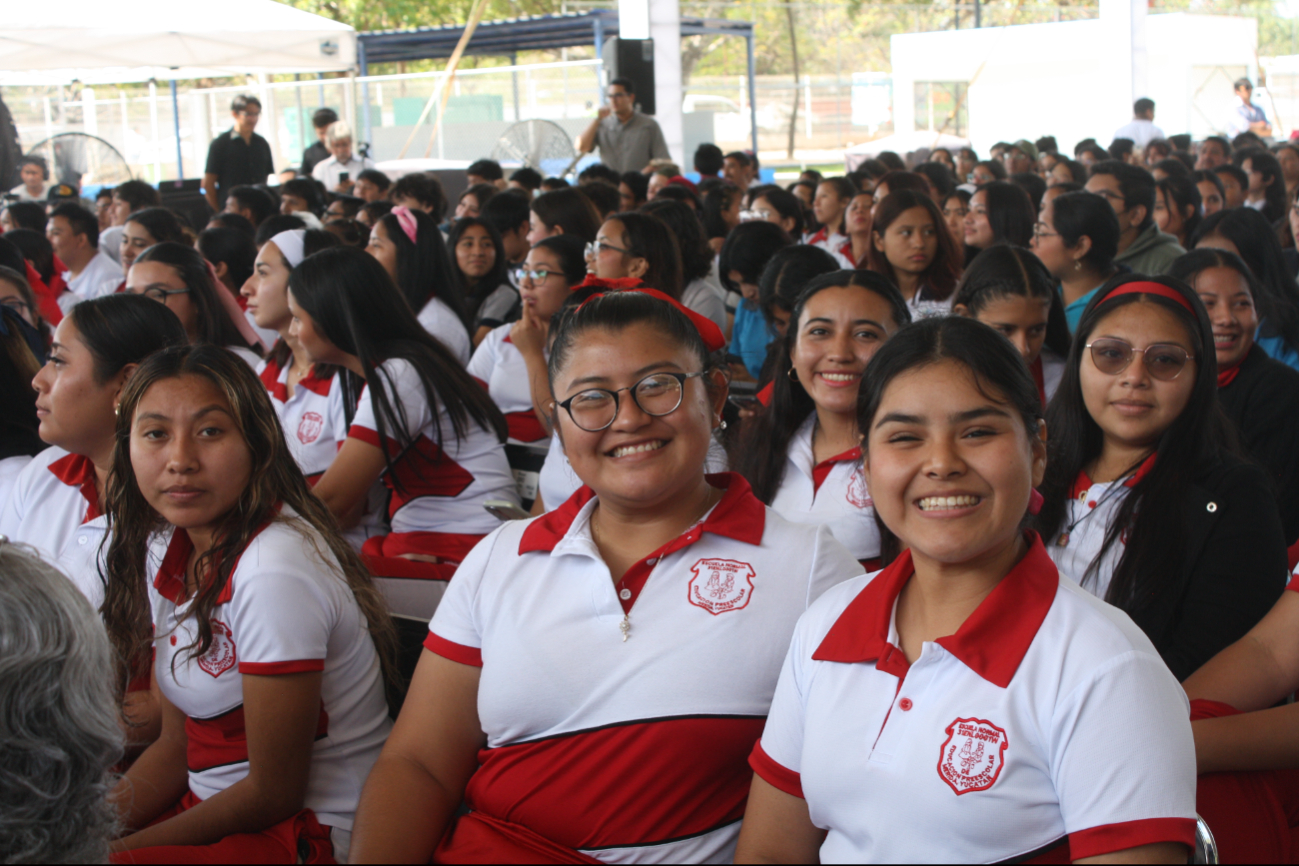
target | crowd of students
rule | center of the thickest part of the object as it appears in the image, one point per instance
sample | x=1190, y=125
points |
x=888, y=516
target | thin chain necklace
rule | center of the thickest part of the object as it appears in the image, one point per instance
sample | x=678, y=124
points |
x=625, y=625
x=1117, y=486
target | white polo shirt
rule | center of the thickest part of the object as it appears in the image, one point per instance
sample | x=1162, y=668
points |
x=53, y=506
x=329, y=170
x=558, y=481
x=101, y=276
x=631, y=751
x=837, y=245
x=9, y=469
x=439, y=320
x=1092, y=508
x=442, y=487
x=1048, y=719
x=285, y=610
x=313, y=418
x=832, y=493
x=500, y=367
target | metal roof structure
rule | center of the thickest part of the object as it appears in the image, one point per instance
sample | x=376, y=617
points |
x=509, y=36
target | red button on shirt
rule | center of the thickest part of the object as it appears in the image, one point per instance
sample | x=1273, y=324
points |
x=904, y=704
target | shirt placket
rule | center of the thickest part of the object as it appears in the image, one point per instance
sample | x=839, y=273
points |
x=911, y=686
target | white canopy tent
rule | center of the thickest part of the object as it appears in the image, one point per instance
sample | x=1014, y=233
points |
x=96, y=42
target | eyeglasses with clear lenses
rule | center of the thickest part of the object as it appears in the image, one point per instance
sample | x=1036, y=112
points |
x=1163, y=361
x=161, y=295
x=595, y=247
x=538, y=276
x=658, y=394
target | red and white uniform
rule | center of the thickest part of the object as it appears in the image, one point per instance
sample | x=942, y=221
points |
x=837, y=245
x=558, y=481
x=1092, y=508
x=285, y=610
x=9, y=469
x=630, y=751
x=53, y=507
x=500, y=367
x=313, y=417
x=437, y=508
x=439, y=320
x=929, y=308
x=831, y=493
x=1047, y=726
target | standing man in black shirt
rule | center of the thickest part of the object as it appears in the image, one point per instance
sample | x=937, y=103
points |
x=237, y=157
x=319, y=151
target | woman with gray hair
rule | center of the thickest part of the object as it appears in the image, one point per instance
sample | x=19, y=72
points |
x=58, y=717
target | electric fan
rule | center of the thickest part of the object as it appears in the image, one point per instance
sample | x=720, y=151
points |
x=538, y=144
x=80, y=160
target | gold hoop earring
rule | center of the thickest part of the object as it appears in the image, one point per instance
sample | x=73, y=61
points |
x=793, y=375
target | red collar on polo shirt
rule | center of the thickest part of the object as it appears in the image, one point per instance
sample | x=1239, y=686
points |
x=822, y=470
x=820, y=235
x=1228, y=375
x=1083, y=482
x=76, y=470
x=170, y=579
x=739, y=516
x=992, y=642
x=280, y=391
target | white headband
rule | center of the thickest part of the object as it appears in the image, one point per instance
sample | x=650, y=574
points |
x=290, y=245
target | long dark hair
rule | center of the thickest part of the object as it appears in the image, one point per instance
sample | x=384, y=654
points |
x=1181, y=192
x=649, y=237
x=489, y=282
x=35, y=248
x=123, y=329
x=1010, y=212
x=696, y=255
x=1150, y=519
x=999, y=373
x=1186, y=268
x=1250, y=232
x=569, y=210
x=214, y=324
x=275, y=478
x=355, y=305
x=232, y=247
x=18, y=365
x=424, y=270
x=765, y=441
x=1274, y=207
x=163, y=225
x=1003, y=270
x=717, y=201
x=941, y=275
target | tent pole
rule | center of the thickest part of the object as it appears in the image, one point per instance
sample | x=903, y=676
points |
x=753, y=94
x=302, y=123
x=514, y=61
x=175, y=117
x=365, y=91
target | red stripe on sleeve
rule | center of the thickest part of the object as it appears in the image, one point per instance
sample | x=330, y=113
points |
x=465, y=655
x=365, y=434
x=1109, y=838
x=1293, y=586
x=774, y=774
x=270, y=669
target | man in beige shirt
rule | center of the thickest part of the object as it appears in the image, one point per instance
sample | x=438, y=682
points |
x=627, y=139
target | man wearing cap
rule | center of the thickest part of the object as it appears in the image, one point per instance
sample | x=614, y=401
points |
x=1248, y=117
x=1022, y=156
x=628, y=140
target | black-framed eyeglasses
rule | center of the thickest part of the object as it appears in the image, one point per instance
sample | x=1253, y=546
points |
x=595, y=247
x=658, y=394
x=161, y=295
x=1163, y=361
x=538, y=276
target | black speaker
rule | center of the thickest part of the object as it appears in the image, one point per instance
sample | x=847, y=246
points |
x=632, y=59
x=184, y=197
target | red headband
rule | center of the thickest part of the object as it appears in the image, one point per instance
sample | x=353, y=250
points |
x=708, y=330
x=1147, y=288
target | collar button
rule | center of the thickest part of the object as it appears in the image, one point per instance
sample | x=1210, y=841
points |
x=905, y=704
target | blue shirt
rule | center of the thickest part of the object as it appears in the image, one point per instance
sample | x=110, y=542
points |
x=1073, y=312
x=750, y=336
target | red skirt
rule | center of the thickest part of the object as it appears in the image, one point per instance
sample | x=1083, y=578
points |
x=300, y=839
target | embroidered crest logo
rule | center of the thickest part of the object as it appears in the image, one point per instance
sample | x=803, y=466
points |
x=220, y=657
x=857, y=495
x=972, y=755
x=721, y=585
x=309, y=427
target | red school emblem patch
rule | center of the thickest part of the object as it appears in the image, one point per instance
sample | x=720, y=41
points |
x=972, y=755
x=721, y=585
x=220, y=657
x=857, y=495
x=309, y=427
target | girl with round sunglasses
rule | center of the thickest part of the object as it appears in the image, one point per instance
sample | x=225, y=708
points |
x=1147, y=504
x=967, y=703
x=617, y=651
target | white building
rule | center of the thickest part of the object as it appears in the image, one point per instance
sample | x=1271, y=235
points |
x=1072, y=79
